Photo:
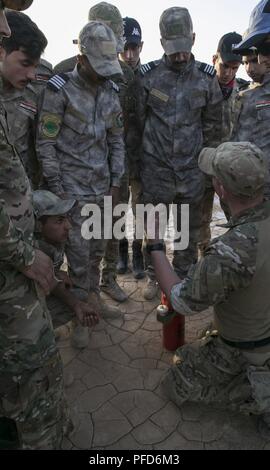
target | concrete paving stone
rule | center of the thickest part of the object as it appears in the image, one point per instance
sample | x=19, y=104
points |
x=193, y=411
x=145, y=337
x=137, y=405
x=78, y=368
x=109, y=432
x=163, y=365
x=191, y=431
x=66, y=444
x=115, y=354
x=167, y=418
x=75, y=391
x=112, y=370
x=68, y=355
x=178, y=442
x=151, y=323
x=92, y=358
x=83, y=436
x=144, y=364
x=213, y=425
x=93, y=399
x=150, y=306
x=151, y=378
x=167, y=357
x=117, y=336
x=133, y=307
x=149, y=433
x=107, y=412
x=131, y=326
x=130, y=379
x=242, y=433
x=130, y=288
x=100, y=339
x=94, y=378
x=117, y=322
x=129, y=443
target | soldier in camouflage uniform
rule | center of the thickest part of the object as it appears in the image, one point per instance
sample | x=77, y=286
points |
x=231, y=366
x=31, y=386
x=111, y=16
x=80, y=145
x=52, y=230
x=226, y=65
x=182, y=105
x=131, y=57
x=253, y=106
x=18, y=96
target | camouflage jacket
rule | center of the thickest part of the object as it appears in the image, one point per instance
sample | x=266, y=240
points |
x=228, y=109
x=43, y=73
x=16, y=214
x=234, y=277
x=21, y=108
x=80, y=137
x=128, y=97
x=181, y=113
x=252, y=117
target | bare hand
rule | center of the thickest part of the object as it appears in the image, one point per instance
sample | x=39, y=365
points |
x=63, y=276
x=85, y=314
x=42, y=272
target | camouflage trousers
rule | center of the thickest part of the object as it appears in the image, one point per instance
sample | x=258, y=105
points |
x=109, y=261
x=207, y=213
x=83, y=255
x=209, y=371
x=31, y=375
x=171, y=189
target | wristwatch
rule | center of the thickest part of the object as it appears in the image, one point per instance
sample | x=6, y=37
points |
x=155, y=247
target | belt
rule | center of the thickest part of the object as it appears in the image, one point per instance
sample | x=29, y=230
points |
x=247, y=344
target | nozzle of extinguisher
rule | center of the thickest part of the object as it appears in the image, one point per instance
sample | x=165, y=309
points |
x=164, y=316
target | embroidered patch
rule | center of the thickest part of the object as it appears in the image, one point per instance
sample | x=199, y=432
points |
x=50, y=125
x=158, y=94
x=263, y=104
x=28, y=107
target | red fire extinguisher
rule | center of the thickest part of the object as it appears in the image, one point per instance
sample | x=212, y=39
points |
x=173, y=325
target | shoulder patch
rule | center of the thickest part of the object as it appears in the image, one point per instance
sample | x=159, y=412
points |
x=29, y=107
x=208, y=69
x=148, y=67
x=114, y=86
x=57, y=82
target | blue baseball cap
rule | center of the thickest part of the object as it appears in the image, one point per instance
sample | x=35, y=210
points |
x=259, y=27
x=132, y=31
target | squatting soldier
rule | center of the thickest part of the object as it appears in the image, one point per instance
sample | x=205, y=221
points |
x=226, y=65
x=32, y=404
x=182, y=105
x=230, y=367
x=131, y=57
x=19, y=97
x=80, y=145
x=253, y=106
x=52, y=230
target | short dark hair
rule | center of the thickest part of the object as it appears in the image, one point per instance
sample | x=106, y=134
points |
x=25, y=35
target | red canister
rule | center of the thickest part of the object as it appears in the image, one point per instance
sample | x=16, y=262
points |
x=173, y=325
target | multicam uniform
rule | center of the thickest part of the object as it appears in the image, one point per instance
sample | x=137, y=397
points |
x=252, y=119
x=182, y=114
x=81, y=148
x=31, y=387
x=234, y=277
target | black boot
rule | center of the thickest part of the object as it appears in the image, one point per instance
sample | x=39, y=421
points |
x=122, y=265
x=137, y=260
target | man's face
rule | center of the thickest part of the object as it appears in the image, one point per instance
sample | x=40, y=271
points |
x=264, y=54
x=179, y=60
x=87, y=71
x=131, y=54
x=226, y=71
x=254, y=70
x=17, y=68
x=4, y=28
x=56, y=229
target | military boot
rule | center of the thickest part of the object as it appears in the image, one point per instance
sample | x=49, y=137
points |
x=103, y=310
x=137, y=260
x=112, y=288
x=80, y=337
x=151, y=289
x=122, y=264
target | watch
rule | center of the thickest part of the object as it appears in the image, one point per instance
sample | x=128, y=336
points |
x=155, y=247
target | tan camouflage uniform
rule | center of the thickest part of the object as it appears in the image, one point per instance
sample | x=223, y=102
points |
x=31, y=387
x=234, y=277
x=81, y=149
x=182, y=115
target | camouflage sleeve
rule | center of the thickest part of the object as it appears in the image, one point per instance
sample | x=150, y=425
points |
x=212, y=115
x=50, y=117
x=115, y=140
x=223, y=270
x=13, y=249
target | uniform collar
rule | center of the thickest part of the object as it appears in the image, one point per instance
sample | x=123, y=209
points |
x=259, y=212
x=188, y=68
x=79, y=80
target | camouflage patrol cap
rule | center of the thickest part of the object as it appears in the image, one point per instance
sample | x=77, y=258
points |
x=98, y=43
x=176, y=30
x=47, y=203
x=239, y=166
x=110, y=15
x=18, y=5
